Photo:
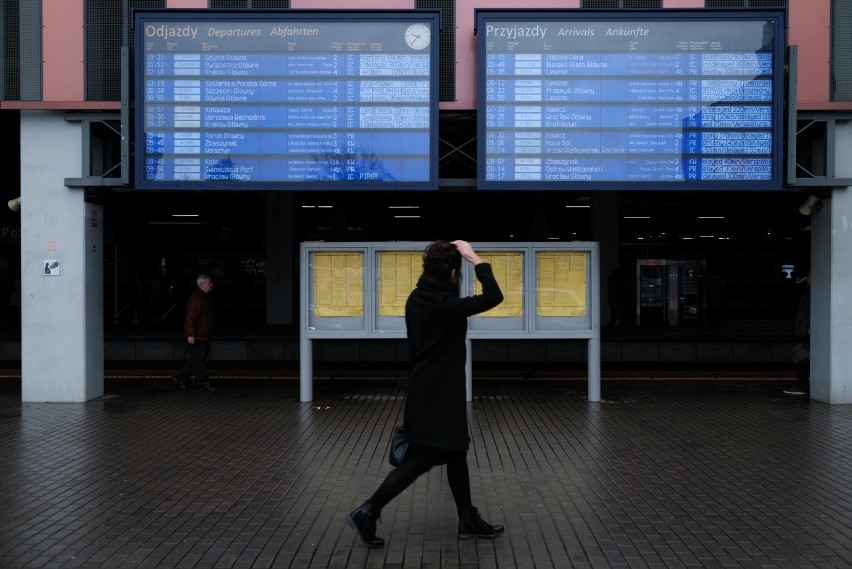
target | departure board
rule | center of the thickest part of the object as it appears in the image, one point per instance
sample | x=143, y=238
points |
x=286, y=100
x=650, y=99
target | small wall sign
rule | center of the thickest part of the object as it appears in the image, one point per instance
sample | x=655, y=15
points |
x=51, y=267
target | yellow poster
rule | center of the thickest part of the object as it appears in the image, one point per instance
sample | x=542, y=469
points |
x=561, y=283
x=339, y=283
x=508, y=267
x=398, y=275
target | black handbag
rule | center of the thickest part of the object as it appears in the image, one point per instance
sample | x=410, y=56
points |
x=398, y=446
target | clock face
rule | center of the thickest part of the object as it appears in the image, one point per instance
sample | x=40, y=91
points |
x=418, y=36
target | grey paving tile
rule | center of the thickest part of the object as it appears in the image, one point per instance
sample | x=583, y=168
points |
x=659, y=474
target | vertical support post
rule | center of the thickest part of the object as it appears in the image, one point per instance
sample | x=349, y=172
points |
x=62, y=338
x=306, y=370
x=594, y=371
x=468, y=369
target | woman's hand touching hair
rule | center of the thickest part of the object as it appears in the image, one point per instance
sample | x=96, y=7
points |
x=467, y=251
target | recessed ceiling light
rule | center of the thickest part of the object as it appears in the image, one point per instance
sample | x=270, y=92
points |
x=184, y=215
x=711, y=217
x=637, y=217
x=403, y=207
x=406, y=217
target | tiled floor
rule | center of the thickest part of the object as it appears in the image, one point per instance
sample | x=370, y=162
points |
x=659, y=474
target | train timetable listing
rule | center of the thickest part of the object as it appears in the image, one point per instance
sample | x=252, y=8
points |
x=291, y=65
x=639, y=169
x=303, y=97
x=667, y=100
x=320, y=166
x=289, y=91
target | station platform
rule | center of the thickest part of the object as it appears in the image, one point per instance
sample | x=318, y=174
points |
x=664, y=472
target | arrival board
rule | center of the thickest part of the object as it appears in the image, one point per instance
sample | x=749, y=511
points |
x=670, y=99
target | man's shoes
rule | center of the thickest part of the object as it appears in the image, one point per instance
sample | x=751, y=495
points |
x=795, y=391
x=207, y=387
x=472, y=525
x=181, y=385
x=364, y=520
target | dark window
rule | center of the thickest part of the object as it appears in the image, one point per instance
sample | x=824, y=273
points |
x=745, y=3
x=447, y=64
x=108, y=28
x=11, y=51
x=257, y=4
x=621, y=4
x=841, y=51
x=20, y=51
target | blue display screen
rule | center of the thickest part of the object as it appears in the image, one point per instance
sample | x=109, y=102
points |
x=295, y=100
x=651, y=99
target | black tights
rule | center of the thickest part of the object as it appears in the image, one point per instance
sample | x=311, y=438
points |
x=420, y=459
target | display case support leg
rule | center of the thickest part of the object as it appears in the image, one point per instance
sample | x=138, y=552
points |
x=306, y=370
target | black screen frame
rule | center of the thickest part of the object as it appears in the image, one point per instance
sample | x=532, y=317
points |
x=393, y=18
x=718, y=17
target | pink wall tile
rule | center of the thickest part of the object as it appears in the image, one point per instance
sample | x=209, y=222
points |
x=62, y=45
x=810, y=30
x=186, y=3
x=352, y=4
x=683, y=3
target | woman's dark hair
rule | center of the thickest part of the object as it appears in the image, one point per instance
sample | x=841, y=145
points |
x=440, y=259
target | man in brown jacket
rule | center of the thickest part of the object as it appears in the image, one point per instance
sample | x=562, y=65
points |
x=197, y=328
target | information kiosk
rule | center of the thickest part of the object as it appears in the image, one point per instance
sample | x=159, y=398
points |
x=359, y=290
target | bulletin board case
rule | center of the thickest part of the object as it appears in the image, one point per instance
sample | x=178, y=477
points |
x=359, y=290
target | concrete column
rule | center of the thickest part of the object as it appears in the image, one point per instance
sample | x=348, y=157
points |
x=280, y=255
x=62, y=339
x=606, y=219
x=831, y=286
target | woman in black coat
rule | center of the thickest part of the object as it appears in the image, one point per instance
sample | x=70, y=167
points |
x=436, y=407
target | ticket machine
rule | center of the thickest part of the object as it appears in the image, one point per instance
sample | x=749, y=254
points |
x=670, y=292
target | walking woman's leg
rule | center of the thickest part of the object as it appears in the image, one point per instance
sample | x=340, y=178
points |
x=471, y=523
x=419, y=460
x=458, y=477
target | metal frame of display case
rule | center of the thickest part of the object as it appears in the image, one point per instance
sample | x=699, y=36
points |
x=348, y=300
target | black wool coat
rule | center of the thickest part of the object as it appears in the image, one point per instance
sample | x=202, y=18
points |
x=436, y=323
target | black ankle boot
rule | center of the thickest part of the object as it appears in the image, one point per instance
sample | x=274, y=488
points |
x=364, y=520
x=472, y=525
